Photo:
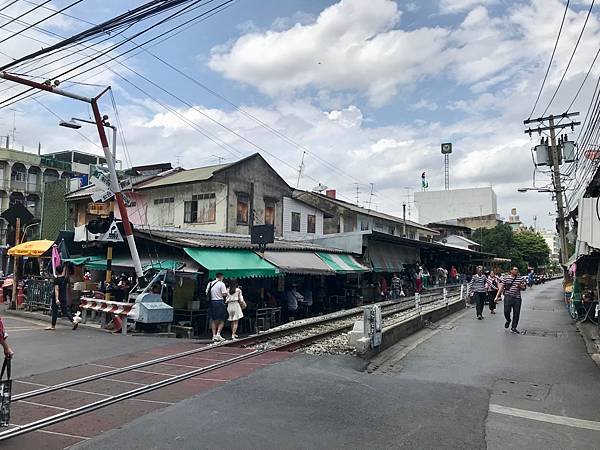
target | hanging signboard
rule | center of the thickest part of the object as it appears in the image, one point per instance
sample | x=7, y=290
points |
x=101, y=197
x=101, y=181
x=125, y=184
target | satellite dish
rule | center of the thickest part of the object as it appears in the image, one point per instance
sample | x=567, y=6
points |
x=320, y=188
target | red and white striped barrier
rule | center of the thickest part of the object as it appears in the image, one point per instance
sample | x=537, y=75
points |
x=118, y=309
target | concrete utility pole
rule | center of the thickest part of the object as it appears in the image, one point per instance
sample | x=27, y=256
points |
x=555, y=161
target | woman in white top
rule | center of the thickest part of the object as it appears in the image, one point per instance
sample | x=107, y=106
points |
x=234, y=296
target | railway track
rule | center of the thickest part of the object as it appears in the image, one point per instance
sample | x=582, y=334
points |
x=195, y=363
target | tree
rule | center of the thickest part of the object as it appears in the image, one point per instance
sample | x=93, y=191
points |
x=533, y=248
x=523, y=248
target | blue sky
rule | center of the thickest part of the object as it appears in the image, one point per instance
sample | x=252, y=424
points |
x=370, y=88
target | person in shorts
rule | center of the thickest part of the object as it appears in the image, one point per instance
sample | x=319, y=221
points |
x=217, y=311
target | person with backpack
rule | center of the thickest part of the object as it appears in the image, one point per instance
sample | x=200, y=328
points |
x=216, y=293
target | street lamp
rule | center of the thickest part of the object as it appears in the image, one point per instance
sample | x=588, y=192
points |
x=526, y=189
x=73, y=124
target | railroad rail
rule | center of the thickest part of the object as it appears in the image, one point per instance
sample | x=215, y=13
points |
x=285, y=338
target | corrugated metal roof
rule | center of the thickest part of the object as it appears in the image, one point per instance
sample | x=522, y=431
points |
x=367, y=212
x=185, y=176
x=191, y=238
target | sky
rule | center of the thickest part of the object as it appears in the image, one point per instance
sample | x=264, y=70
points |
x=363, y=92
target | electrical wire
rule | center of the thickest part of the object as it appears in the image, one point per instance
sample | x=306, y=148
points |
x=570, y=59
x=562, y=22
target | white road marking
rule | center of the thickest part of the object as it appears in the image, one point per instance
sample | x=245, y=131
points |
x=64, y=434
x=43, y=405
x=125, y=382
x=543, y=417
x=209, y=379
x=151, y=401
x=134, y=370
x=29, y=382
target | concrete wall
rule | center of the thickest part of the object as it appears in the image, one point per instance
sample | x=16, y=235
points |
x=172, y=214
x=437, y=206
x=291, y=205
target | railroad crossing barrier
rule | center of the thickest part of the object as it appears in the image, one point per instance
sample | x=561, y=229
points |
x=120, y=311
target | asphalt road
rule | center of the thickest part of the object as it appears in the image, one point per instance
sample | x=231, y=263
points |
x=465, y=384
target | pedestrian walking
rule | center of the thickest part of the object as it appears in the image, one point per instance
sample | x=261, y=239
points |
x=453, y=275
x=234, y=302
x=511, y=286
x=442, y=276
x=492, y=286
x=216, y=291
x=478, y=291
x=419, y=279
x=61, y=284
x=530, y=278
x=396, y=287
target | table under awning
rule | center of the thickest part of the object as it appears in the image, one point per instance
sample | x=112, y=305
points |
x=296, y=262
x=342, y=263
x=390, y=258
x=233, y=263
x=31, y=248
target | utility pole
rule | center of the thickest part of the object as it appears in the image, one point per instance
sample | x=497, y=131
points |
x=555, y=161
x=300, y=169
x=370, y=195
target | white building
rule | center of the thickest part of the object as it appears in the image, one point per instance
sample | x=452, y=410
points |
x=551, y=238
x=301, y=221
x=472, y=203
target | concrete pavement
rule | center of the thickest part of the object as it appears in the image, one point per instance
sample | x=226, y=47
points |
x=463, y=384
x=38, y=350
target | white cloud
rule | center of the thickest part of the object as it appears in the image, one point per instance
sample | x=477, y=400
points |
x=454, y=6
x=351, y=45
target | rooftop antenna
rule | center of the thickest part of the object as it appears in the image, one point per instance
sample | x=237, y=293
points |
x=14, y=127
x=357, y=193
x=300, y=169
x=371, y=195
x=408, y=202
x=178, y=160
x=218, y=158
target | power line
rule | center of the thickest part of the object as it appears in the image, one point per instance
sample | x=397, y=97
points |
x=551, y=59
x=570, y=59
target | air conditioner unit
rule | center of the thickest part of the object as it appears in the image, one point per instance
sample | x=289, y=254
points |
x=542, y=155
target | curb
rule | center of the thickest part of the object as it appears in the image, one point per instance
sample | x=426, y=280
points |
x=45, y=318
x=592, y=347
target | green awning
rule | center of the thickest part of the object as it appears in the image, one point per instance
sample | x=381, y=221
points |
x=342, y=263
x=233, y=263
x=83, y=260
x=391, y=258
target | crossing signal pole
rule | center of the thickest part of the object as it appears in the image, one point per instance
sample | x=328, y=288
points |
x=553, y=156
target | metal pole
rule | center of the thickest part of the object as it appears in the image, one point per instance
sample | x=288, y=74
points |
x=403, y=219
x=111, y=209
x=559, y=195
x=13, y=299
x=117, y=191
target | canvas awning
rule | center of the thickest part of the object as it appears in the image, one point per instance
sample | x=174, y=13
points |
x=99, y=263
x=233, y=263
x=342, y=263
x=31, y=248
x=303, y=263
x=390, y=258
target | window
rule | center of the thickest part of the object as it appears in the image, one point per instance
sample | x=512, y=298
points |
x=18, y=176
x=295, y=221
x=378, y=225
x=311, y=223
x=243, y=207
x=190, y=212
x=206, y=207
x=202, y=209
x=165, y=210
x=364, y=224
x=269, y=212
